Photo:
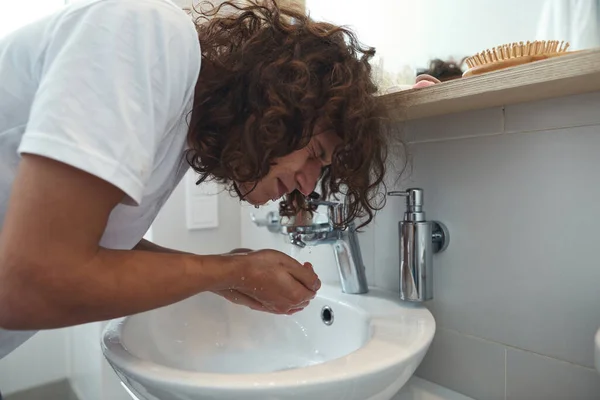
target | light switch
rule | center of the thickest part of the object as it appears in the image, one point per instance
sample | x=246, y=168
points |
x=201, y=203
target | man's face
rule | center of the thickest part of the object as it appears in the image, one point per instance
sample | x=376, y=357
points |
x=299, y=170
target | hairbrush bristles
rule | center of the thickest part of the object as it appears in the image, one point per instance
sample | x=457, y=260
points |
x=513, y=50
x=517, y=53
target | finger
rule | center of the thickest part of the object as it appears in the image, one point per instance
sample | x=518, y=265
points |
x=426, y=77
x=302, y=305
x=307, y=277
x=422, y=84
x=298, y=309
x=240, y=298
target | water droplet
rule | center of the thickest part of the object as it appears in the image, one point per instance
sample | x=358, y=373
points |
x=243, y=278
x=254, y=288
x=235, y=298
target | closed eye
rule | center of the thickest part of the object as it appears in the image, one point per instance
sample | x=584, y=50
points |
x=320, y=154
x=317, y=152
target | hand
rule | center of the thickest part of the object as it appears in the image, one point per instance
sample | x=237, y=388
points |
x=425, y=80
x=271, y=281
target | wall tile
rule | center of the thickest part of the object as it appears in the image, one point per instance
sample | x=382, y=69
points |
x=420, y=389
x=534, y=377
x=522, y=211
x=452, y=126
x=386, y=240
x=465, y=364
x=562, y=112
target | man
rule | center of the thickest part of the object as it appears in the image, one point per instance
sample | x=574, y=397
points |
x=103, y=107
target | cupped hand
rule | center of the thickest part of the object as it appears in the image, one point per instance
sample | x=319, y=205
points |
x=425, y=80
x=271, y=281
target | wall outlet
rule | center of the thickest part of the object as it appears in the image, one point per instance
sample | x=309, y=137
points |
x=201, y=204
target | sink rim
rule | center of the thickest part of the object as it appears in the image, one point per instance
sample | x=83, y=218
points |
x=387, y=316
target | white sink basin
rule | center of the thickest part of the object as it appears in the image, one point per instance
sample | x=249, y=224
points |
x=207, y=348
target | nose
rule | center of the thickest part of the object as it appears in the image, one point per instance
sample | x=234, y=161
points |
x=308, y=176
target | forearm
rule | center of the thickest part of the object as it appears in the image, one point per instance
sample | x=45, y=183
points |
x=114, y=283
x=146, y=245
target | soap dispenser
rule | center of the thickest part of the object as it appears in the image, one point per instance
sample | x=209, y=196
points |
x=419, y=240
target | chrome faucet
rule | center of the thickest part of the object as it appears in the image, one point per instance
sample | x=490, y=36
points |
x=419, y=240
x=313, y=229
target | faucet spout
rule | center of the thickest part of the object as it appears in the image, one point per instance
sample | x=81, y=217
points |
x=296, y=240
x=346, y=250
x=316, y=229
x=313, y=229
x=347, y=253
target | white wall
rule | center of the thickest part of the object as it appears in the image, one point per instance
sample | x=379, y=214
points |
x=169, y=229
x=15, y=14
x=517, y=292
x=42, y=359
x=407, y=34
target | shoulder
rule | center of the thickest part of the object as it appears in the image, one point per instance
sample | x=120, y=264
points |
x=155, y=32
x=166, y=8
x=152, y=16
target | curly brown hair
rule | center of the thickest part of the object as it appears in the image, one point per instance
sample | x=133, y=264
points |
x=269, y=75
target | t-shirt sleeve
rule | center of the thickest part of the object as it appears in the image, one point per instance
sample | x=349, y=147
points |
x=113, y=75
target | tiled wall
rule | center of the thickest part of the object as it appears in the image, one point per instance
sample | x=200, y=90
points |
x=517, y=293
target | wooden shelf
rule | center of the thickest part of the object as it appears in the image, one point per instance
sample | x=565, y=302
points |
x=562, y=76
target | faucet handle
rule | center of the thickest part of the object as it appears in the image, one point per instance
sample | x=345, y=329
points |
x=414, y=198
x=271, y=221
x=336, y=211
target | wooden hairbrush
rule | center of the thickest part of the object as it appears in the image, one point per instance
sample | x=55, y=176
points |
x=510, y=55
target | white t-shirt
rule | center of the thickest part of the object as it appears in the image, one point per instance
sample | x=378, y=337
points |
x=105, y=86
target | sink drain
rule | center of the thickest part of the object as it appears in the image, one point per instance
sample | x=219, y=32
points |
x=327, y=315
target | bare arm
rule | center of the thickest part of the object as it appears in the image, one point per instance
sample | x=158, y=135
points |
x=146, y=245
x=53, y=272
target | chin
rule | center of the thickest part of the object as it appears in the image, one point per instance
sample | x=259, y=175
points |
x=255, y=200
